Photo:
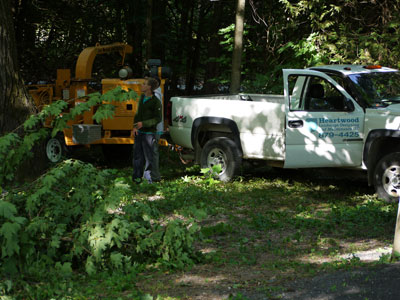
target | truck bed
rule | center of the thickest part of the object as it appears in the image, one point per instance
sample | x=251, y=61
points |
x=259, y=118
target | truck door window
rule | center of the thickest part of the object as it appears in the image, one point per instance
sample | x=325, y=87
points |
x=345, y=84
x=321, y=95
x=296, y=90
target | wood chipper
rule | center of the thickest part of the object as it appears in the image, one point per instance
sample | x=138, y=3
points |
x=83, y=130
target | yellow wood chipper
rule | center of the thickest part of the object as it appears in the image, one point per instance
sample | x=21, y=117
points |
x=83, y=130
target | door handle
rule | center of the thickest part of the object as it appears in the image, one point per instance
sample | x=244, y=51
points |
x=295, y=124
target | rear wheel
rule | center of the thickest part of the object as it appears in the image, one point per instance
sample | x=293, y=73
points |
x=224, y=152
x=387, y=177
x=56, y=149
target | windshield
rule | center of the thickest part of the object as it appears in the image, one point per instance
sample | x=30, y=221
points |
x=378, y=88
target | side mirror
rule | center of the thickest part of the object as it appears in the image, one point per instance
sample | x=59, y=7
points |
x=349, y=105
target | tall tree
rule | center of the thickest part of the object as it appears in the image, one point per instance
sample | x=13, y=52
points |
x=160, y=31
x=197, y=39
x=14, y=101
x=213, y=50
x=149, y=29
x=238, y=47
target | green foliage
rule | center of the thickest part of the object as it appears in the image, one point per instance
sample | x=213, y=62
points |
x=85, y=218
x=238, y=296
x=14, y=150
x=371, y=215
x=219, y=229
x=210, y=175
x=330, y=36
x=307, y=51
x=76, y=213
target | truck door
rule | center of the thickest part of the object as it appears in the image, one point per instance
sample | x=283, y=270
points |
x=324, y=125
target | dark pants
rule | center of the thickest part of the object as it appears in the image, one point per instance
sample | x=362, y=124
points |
x=143, y=157
x=155, y=174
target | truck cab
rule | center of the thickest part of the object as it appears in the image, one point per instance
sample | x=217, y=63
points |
x=346, y=116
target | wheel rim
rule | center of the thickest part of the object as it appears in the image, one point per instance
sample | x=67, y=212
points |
x=391, y=181
x=54, y=150
x=217, y=157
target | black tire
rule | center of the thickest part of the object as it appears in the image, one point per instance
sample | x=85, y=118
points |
x=387, y=177
x=222, y=151
x=56, y=149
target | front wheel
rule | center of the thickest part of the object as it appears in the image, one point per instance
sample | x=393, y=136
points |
x=387, y=177
x=224, y=152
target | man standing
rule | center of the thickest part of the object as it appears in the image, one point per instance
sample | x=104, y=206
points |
x=148, y=115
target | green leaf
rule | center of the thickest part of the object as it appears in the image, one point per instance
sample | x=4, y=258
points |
x=10, y=232
x=204, y=170
x=217, y=169
x=65, y=268
x=19, y=220
x=8, y=284
x=7, y=210
x=116, y=259
x=89, y=266
x=55, y=242
x=146, y=297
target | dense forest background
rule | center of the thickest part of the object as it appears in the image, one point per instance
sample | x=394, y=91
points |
x=195, y=38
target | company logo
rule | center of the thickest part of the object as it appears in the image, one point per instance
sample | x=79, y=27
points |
x=180, y=119
x=312, y=124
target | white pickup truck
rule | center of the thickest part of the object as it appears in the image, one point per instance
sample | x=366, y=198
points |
x=343, y=116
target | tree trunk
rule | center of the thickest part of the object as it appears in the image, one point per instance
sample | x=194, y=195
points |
x=238, y=47
x=149, y=29
x=195, y=57
x=189, y=52
x=160, y=27
x=25, y=17
x=134, y=27
x=15, y=106
x=182, y=43
x=214, y=49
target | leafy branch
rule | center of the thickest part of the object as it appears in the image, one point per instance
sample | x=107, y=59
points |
x=84, y=220
x=15, y=149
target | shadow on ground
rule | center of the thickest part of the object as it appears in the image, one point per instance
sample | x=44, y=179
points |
x=380, y=282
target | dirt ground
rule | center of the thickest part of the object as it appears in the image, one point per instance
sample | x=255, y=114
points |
x=202, y=283
x=380, y=282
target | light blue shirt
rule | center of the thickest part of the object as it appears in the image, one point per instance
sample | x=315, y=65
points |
x=160, y=126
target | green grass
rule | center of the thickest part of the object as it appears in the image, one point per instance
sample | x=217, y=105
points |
x=277, y=224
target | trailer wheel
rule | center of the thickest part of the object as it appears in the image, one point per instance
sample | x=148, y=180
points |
x=222, y=151
x=56, y=149
x=387, y=177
